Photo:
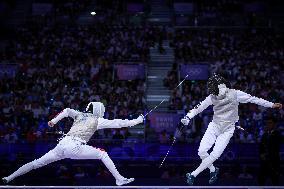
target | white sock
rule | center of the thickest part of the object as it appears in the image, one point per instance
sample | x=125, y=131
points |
x=204, y=164
x=111, y=167
x=22, y=170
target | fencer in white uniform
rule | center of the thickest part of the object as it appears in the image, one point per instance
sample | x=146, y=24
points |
x=225, y=103
x=73, y=145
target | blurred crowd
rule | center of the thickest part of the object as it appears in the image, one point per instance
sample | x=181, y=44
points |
x=69, y=8
x=252, y=60
x=225, y=13
x=67, y=66
x=62, y=67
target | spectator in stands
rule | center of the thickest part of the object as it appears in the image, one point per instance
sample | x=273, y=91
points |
x=269, y=153
x=172, y=78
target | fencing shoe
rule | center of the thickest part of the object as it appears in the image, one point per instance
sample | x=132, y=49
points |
x=214, y=176
x=189, y=179
x=124, y=181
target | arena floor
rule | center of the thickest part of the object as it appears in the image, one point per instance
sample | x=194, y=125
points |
x=71, y=187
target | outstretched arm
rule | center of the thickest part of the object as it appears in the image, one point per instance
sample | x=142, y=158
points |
x=196, y=110
x=200, y=107
x=246, y=98
x=118, y=123
x=67, y=112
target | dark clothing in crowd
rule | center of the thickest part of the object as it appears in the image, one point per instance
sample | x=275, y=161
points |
x=269, y=157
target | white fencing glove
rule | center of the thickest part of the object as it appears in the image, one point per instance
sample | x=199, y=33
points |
x=140, y=119
x=185, y=120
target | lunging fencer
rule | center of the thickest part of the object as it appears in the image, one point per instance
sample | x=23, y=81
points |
x=73, y=145
x=225, y=103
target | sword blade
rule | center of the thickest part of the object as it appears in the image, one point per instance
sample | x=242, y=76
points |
x=165, y=99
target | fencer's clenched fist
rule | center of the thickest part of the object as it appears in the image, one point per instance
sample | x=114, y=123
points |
x=185, y=120
x=50, y=124
x=140, y=119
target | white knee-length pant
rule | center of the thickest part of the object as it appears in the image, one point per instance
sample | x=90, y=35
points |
x=218, y=135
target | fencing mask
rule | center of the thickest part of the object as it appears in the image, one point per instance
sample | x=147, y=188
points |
x=96, y=108
x=217, y=85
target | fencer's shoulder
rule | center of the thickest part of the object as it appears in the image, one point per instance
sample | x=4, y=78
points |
x=240, y=92
x=230, y=89
x=235, y=91
x=70, y=109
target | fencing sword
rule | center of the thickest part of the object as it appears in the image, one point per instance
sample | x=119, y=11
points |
x=55, y=132
x=178, y=131
x=176, y=135
x=164, y=98
x=241, y=128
